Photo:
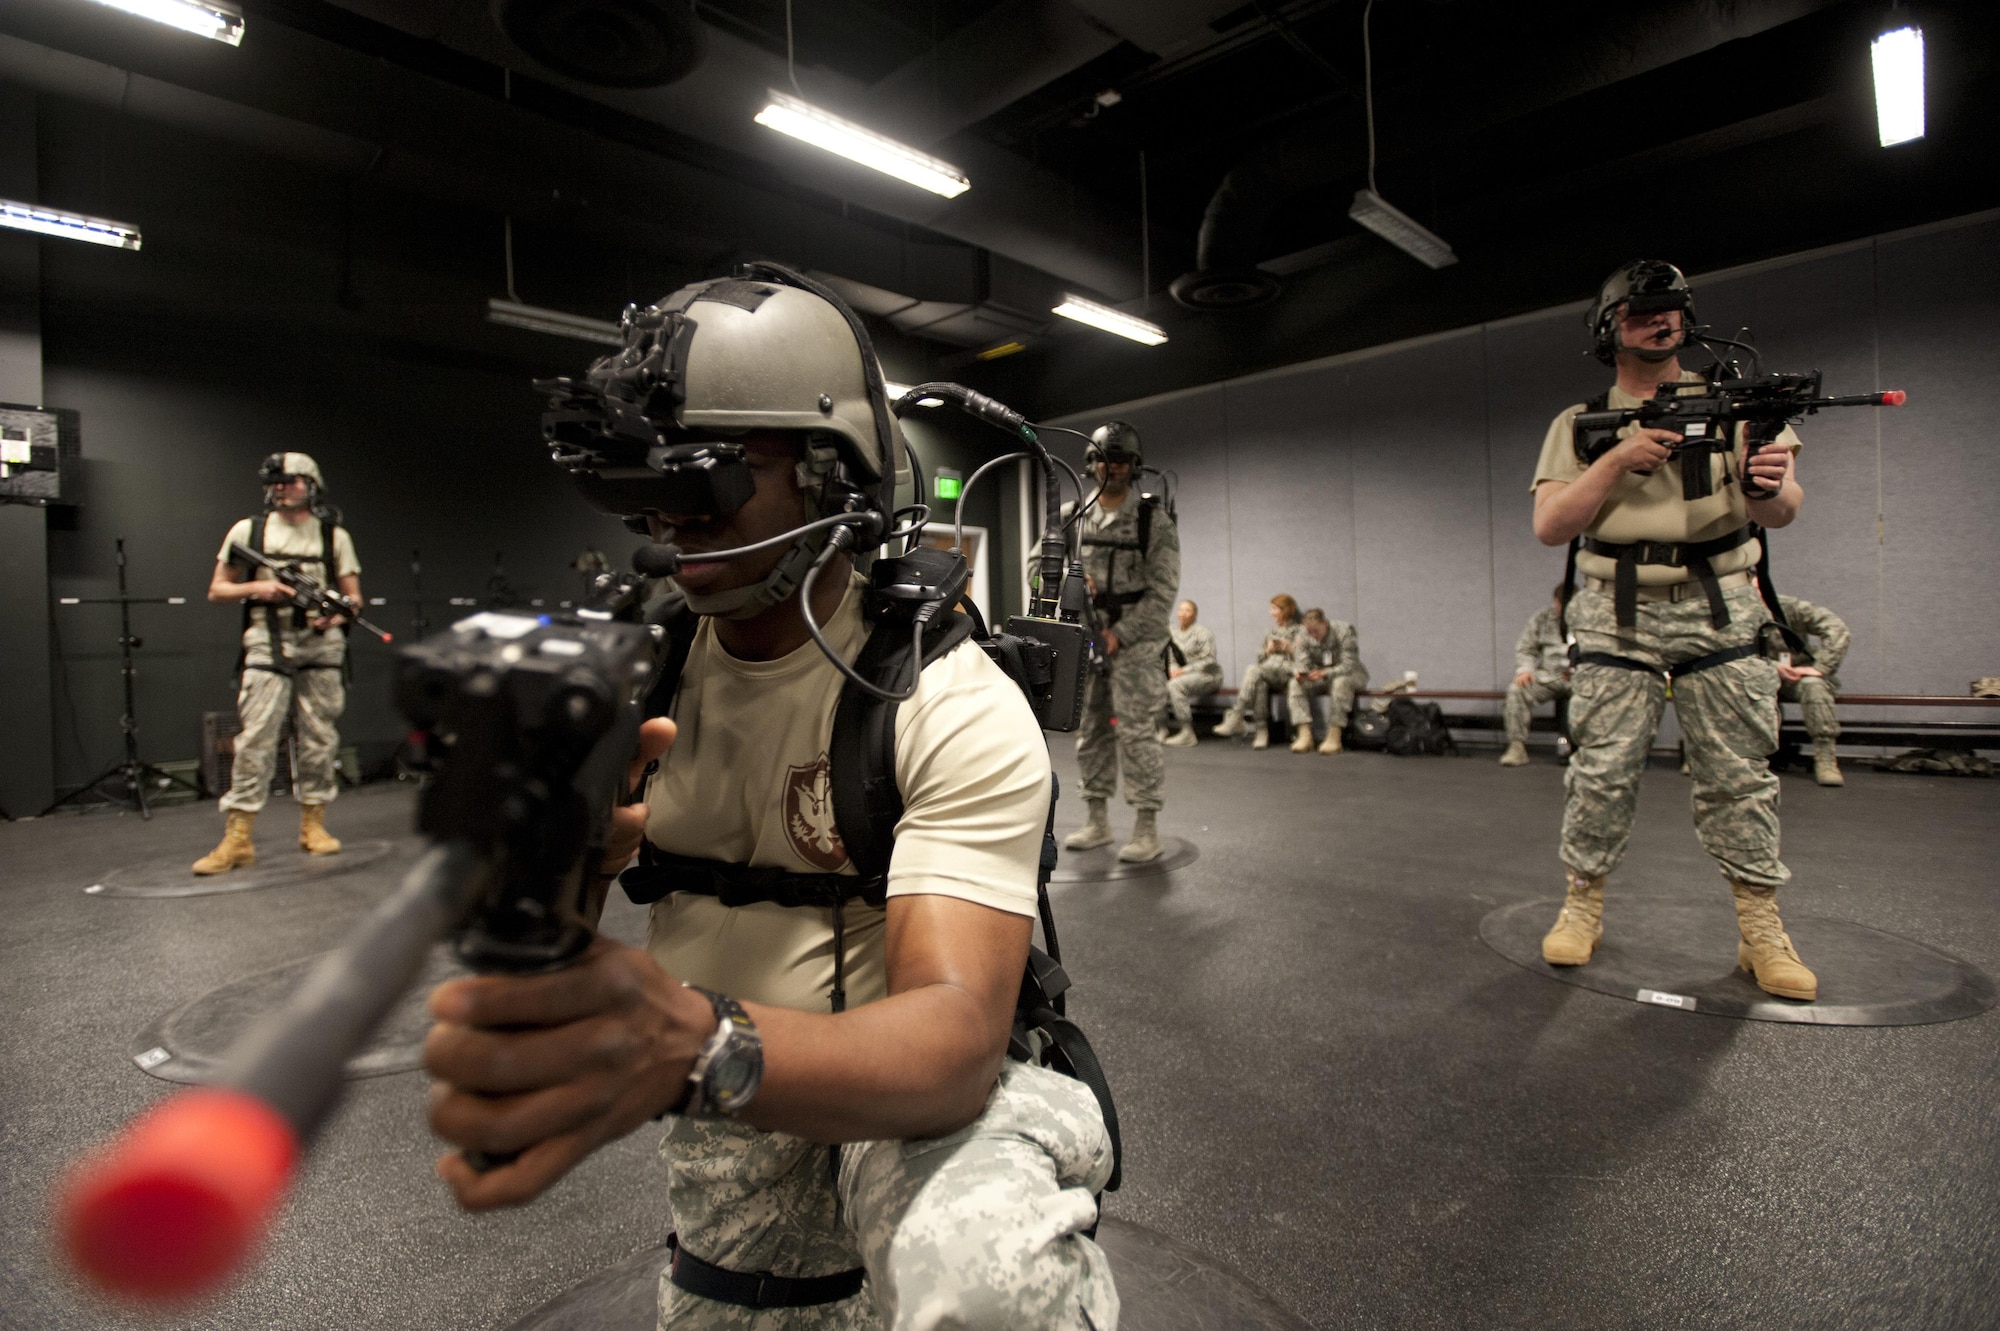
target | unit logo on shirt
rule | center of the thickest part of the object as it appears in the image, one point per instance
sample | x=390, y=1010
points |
x=809, y=821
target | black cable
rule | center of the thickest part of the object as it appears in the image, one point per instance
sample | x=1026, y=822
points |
x=958, y=514
x=837, y=546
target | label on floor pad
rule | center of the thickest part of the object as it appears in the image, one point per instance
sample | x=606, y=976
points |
x=152, y=1058
x=1681, y=1001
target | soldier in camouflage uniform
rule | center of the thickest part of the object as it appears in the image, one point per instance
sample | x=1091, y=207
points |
x=1196, y=674
x=1132, y=556
x=1668, y=594
x=1328, y=664
x=1812, y=685
x=1276, y=664
x=1541, y=674
x=847, y=1145
x=292, y=668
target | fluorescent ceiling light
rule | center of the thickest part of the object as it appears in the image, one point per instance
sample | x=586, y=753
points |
x=203, y=18
x=1400, y=229
x=538, y=320
x=1110, y=320
x=69, y=226
x=802, y=120
x=1899, y=85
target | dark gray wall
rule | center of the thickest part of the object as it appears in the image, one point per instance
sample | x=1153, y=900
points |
x=1391, y=486
x=275, y=308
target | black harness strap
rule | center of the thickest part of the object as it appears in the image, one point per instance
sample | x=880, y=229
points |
x=758, y=1289
x=1674, y=554
x=1672, y=672
x=660, y=873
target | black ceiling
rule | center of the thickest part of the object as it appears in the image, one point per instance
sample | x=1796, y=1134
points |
x=1545, y=142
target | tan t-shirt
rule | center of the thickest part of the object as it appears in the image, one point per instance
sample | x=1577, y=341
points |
x=1650, y=508
x=747, y=781
x=301, y=545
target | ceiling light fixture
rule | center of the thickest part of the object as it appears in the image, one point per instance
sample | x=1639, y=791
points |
x=69, y=226
x=1401, y=230
x=1110, y=320
x=1369, y=207
x=1899, y=85
x=823, y=129
x=203, y=18
x=538, y=320
x=1001, y=349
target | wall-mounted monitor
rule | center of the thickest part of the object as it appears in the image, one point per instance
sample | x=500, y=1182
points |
x=39, y=452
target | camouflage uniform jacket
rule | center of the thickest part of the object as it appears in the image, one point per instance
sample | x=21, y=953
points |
x=1197, y=646
x=1280, y=645
x=1811, y=621
x=1540, y=650
x=1134, y=589
x=1338, y=653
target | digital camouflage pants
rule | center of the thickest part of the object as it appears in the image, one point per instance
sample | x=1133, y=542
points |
x=1133, y=689
x=1339, y=688
x=1522, y=700
x=1814, y=694
x=1253, y=689
x=1729, y=721
x=1188, y=688
x=313, y=696
x=983, y=1228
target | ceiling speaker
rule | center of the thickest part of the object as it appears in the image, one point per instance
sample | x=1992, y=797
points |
x=613, y=43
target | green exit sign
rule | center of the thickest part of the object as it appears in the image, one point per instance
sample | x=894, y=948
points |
x=949, y=484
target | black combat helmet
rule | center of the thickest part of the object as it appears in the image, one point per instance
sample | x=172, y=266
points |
x=1113, y=441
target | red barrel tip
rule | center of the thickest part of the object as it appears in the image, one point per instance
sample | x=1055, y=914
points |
x=1895, y=397
x=173, y=1207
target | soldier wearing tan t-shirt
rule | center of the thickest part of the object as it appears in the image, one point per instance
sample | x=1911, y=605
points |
x=1701, y=631
x=877, y=1161
x=293, y=667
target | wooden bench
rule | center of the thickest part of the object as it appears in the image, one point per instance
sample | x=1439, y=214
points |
x=1978, y=731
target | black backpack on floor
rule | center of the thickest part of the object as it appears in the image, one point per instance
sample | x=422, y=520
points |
x=1417, y=728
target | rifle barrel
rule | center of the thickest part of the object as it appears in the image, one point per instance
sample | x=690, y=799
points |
x=182, y=1198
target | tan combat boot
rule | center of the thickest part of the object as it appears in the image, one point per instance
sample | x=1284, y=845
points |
x=313, y=836
x=1579, y=926
x=1145, y=842
x=1302, y=739
x=1331, y=744
x=1766, y=950
x=1095, y=832
x=1180, y=739
x=1231, y=725
x=235, y=850
x=1262, y=739
x=1516, y=755
x=1826, y=767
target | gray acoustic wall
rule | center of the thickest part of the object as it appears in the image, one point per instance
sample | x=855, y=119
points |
x=1391, y=486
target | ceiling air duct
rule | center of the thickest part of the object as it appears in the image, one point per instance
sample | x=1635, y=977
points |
x=611, y=43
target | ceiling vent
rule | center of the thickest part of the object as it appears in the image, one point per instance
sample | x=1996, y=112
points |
x=1237, y=289
x=611, y=43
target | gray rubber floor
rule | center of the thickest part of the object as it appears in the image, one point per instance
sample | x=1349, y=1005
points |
x=1327, y=1081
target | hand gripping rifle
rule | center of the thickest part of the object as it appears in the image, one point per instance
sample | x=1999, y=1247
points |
x=528, y=723
x=307, y=592
x=1704, y=413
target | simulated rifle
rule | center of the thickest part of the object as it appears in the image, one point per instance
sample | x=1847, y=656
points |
x=1704, y=413
x=307, y=593
x=527, y=723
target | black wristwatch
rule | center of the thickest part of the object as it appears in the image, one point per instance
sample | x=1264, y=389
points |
x=730, y=1067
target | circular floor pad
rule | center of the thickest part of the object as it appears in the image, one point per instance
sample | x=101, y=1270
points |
x=274, y=868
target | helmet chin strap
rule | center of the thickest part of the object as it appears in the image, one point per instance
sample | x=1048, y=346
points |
x=753, y=600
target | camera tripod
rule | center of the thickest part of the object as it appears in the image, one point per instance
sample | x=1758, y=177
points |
x=134, y=771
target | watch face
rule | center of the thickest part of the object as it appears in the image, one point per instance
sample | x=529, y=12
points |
x=732, y=1076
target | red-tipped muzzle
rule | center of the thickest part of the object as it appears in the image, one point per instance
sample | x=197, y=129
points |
x=177, y=1204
